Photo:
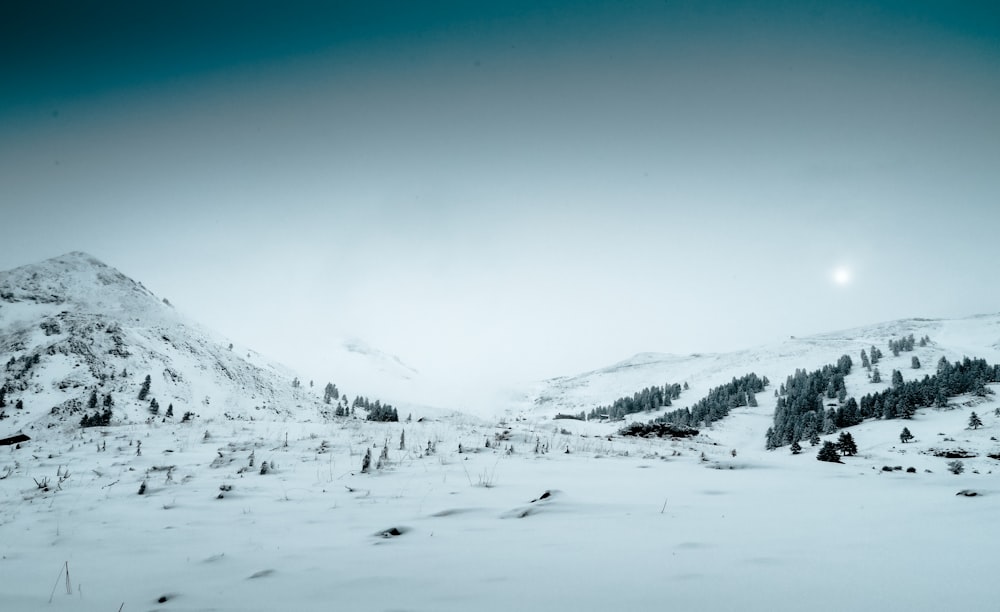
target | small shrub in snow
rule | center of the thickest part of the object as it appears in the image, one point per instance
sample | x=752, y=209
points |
x=956, y=467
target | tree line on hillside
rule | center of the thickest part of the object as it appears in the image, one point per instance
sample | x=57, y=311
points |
x=903, y=398
x=800, y=413
x=719, y=401
x=649, y=399
x=377, y=411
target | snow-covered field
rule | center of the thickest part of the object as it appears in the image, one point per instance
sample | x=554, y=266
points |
x=551, y=515
x=628, y=524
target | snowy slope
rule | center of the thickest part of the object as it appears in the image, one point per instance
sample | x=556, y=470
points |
x=458, y=513
x=72, y=325
x=953, y=339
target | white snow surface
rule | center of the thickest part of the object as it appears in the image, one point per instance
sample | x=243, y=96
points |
x=627, y=524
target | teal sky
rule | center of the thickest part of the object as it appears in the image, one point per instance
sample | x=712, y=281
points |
x=512, y=190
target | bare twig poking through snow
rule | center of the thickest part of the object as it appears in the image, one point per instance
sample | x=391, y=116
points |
x=69, y=588
x=664, y=508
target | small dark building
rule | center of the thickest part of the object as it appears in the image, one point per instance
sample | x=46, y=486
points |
x=14, y=440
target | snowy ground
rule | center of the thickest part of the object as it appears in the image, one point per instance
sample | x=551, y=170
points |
x=629, y=524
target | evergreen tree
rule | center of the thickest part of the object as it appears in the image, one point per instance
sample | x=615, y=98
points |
x=915, y=363
x=366, y=461
x=897, y=379
x=864, y=360
x=974, y=421
x=330, y=392
x=19, y=404
x=92, y=400
x=3, y=396
x=796, y=449
x=108, y=400
x=144, y=389
x=170, y=411
x=874, y=354
x=814, y=439
x=154, y=406
x=876, y=376
x=905, y=436
x=846, y=444
x=828, y=453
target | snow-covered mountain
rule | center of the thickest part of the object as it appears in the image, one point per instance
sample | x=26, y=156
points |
x=72, y=326
x=976, y=336
x=265, y=503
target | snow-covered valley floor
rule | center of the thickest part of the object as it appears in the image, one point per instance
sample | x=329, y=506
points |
x=628, y=524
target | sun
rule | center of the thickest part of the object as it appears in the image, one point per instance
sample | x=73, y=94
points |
x=841, y=276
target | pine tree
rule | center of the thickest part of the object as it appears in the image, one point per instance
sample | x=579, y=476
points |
x=974, y=421
x=170, y=411
x=897, y=379
x=828, y=453
x=846, y=444
x=796, y=449
x=92, y=400
x=876, y=376
x=814, y=439
x=144, y=389
x=915, y=363
x=366, y=461
x=402, y=440
x=864, y=360
x=905, y=436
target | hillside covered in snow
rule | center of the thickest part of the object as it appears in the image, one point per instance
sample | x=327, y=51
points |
x=264, y=498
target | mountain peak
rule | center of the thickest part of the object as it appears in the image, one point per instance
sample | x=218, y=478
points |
x=77, y=279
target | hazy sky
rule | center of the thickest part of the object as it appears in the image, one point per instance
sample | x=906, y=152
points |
x=512, y=190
